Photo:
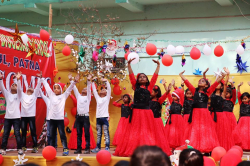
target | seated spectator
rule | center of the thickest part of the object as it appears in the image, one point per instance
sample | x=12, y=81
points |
x=149, y=156
x=191, y=157
x=75, y=163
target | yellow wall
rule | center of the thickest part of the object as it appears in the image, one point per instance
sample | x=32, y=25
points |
x=64, y=66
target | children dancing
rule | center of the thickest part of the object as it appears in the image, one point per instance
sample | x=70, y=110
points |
x=155, y=105
x=140, y=130
x=222, y=126
x=102, y=114
x=82, y=117
x=173, y=128
x=28, y=114
x=12, y=115
x=125, y=112
x=201, y=132
x=56, y=115
x=242, y=128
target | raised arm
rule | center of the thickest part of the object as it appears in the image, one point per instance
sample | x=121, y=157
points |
x=2, y=88
x=163, y=97
x=19, y=87
x=204, y=73
x=187, y=83
x=169, y=94
x=130, y=71
x=158, y=66
x=71, y=86
x=95, y=91
x=108, y=88
x=182, y=85
x=182, y=76
x=47, y=88
x=223, y=95
x=239, y=94
x=115, y=103
x=38, y=86
x=45, y=98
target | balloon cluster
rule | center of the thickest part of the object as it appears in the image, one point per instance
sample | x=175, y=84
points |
x=117, y=89
x=227, y=158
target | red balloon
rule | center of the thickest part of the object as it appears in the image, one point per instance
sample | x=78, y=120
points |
x=235, y=152
x=49, y=153
x=44, y=35
x=126, y=55
x=66, y=50
x=103, y=157
x=115, y=81
x=73, y=111
x=66, y=121
x=239, y=148
x=218, y=51
x=1, y=159
x=167, y=60
x=117, y=90
x=218, y=152
x=73, y=99
x=208, y=161
x=195, y=53
x=230, y=159
x=151, y=49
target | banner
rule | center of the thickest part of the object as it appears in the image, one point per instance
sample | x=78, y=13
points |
x=13, y=59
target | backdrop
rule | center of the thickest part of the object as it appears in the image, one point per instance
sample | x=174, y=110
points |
x=13, y=59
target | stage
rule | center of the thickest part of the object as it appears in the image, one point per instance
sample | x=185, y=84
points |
x=37, y=158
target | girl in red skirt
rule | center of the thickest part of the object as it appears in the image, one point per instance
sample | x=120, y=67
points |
x=228, y=106
x=73, y=139
x=140, y=131
x=222, y=126
x=187, y=106
x=125, y=112
x=174, y=128
x=243, y=126
x=201, y=132
x=156, y=106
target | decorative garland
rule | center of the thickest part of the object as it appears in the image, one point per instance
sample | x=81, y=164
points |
x=124, y=39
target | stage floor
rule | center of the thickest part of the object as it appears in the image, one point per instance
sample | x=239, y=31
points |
x=37, y=158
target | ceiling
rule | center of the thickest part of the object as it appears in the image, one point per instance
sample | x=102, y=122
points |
x=41, y=6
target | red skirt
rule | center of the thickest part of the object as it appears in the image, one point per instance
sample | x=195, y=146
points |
x=232, y=123
x=175, y=131
x=141, y=131
x=201, y=131
x=119, y=131
x=223, y=130
x=185, y=118
x=161, y=139
x=73, y=139
x=242, y=130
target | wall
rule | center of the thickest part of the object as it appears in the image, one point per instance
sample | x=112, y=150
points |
x=206, y=21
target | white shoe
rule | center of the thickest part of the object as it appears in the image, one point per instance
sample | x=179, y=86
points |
x=20, y=152
x=3, y=152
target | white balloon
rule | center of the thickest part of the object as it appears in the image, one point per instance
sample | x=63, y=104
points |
x=207, y=50
x=171, y=50
x=133, y=55
x=25, y=38
x=240, y=50
x=69, y=39
x=179, y=50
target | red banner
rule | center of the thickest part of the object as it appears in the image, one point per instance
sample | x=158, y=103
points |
x=13, y=59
